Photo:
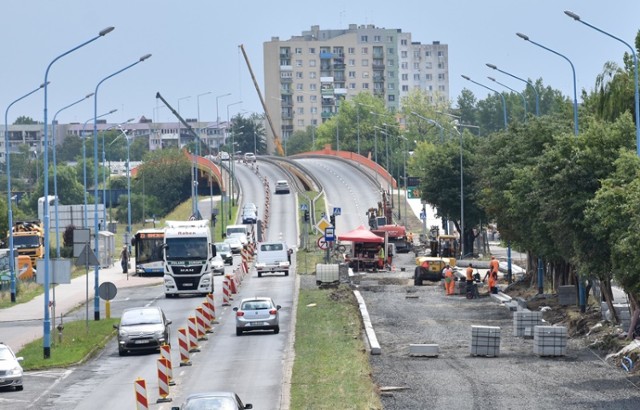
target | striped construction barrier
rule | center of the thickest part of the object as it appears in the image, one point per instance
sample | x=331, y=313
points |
x=165, y=352
x=163, y=381
x=212, y=306
x=232, y=284
x=193, y=334
x=201, y=331
x=206, y=312
x=140, y=390
x=183, y=346
x=226, y=292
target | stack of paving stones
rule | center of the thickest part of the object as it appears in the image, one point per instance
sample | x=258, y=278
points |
x=524, y=321
x=622, y=310
x=550, y=340
x=567, y=295
x=485, y=341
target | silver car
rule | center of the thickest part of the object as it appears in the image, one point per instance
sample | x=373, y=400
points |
x=142, y=328
x=217, y=264
x=10, y=369
x=259, y=313
x=218, y=400
x=234, y=243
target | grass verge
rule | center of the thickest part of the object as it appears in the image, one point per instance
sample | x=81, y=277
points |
x=331, y=368
x=77, y=344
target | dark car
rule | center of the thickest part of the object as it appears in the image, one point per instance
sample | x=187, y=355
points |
x=142, y=328
x=219, y=400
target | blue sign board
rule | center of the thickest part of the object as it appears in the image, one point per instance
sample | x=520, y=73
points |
x=330, y=234
x=337, y=211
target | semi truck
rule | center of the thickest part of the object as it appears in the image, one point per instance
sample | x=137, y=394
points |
x=28, y=239
x=188, y=255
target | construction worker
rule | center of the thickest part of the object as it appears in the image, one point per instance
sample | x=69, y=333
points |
x=470, y=273
x=410, y=238
x=471, y=286
x=494, y=265
x=449, y=282
x=493, y=280
x=380, y=257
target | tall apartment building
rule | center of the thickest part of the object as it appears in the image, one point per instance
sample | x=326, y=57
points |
x=308, y=75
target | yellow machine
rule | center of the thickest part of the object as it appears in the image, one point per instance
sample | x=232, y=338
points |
x=430, y=268
x=28, y=240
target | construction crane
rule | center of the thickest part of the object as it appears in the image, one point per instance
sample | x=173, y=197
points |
x=276, y=139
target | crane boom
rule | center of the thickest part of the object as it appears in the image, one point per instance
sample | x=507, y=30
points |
x=276, y=139
x=186, y=124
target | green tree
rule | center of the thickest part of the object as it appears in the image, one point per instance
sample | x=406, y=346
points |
x=69, y=149
x=24, y=120
x=167, y=175
x=300, y=141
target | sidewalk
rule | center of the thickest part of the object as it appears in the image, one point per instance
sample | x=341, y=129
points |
x=23, y=323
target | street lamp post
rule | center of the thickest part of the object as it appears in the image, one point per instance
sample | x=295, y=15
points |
x=7, y=159
x=573, y=70
x=404, y=172
x=84, y=165
x=104, y=174
x=524, y=100
x=504, y=102
x=47, y=318
x=635, y=72
x=434, y=122
x=96, y=301
x=232, y=158
x=533, y=87
x=55, y=169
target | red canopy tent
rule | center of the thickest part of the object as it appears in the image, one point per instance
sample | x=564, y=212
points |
x=361, y=234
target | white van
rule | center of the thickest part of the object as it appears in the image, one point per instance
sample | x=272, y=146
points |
x=272, y=257
x=237, y=229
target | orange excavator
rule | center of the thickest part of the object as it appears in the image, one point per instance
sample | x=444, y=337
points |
x=276, y=139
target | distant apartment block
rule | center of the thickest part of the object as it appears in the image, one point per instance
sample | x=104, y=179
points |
x=307, y=76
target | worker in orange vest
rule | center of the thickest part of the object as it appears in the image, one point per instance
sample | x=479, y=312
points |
x=449, y=283
x=494, y=265
x=493, y=281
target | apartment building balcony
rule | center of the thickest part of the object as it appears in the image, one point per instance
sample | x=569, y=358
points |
x=287, y=116
x=326, y=79
x=286, y=68
x=378, y=64
x=339, y=66
x=326, y=115
x=324, y=55
x=327, y=91
x=378, y=92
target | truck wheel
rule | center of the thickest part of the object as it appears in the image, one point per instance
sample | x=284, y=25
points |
x=417, y=281
x=238, y=332
x=286, y=273
x=259, y=274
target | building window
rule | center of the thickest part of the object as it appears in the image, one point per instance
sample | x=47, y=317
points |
x=403, y=42
x=391, y=74
x=390, y=39
x=376, y=39
x=441, y=77
x=390, y=51
x=441, y=88
x=416, y=54
x=313, y=98
x=298, y=63
x=364, y=39
x=352, y=74
x=299, y=75
x=365, y=62
x=403, y=54
x=440, y=54
x=365, y=74
x=416, y=77
x=312, y=74
x=427, y=53
x=428, y=65
x=300, y=110
x=299, y=86
x=314, y=110
x=365, y=50
x=416, y=66
x=428, y=77
x=365, y=86
x=300, y=123
x=405, y=88
x=405, y=77
x=312, y=50
x=391, y=63
x=352, y=86
x=404, y=65
x=313, y=87
x=300, y=98
x=391, y=97
x=351, y=50
x=352, y=62
x=298, y=50
x=391, y=86
x=312, y=63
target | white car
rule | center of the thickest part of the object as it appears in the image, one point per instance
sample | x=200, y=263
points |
x=282, y=187
x=10, y=369
x=234, y=244
x=249, y=157
x=242, y=237
x=217, y=264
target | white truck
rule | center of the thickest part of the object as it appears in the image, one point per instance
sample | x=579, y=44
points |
x=188, y=255
x=273, y=257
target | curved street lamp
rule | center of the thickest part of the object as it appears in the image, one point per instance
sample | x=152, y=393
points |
x=7, y=159
x=504, y=102
x=635, y=72
x=430, y=121
x=96, y=300
x=55, y=168
x=573, y=70
x=524, y=100
x=533, y=87
x=46, y=341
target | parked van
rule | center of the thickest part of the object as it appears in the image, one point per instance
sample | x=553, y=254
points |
x=273, y=257
x=237, y=229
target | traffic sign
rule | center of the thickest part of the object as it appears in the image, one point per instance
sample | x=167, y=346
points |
x=423, y=215
x=330, y=234
x=322, y=244
x=413, y=192
x=322, y=225
x=107, y=291
x=304, y=207
x=337, y=211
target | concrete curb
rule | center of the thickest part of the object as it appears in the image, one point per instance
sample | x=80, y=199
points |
x=374, y=346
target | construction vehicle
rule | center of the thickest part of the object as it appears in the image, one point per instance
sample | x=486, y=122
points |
x=276, y=139
x=380, y=223
x=442, y=244
x=28, y=239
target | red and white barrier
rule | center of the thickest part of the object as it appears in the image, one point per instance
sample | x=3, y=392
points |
x=183, y=346
x=165, y=352
x=201, y=331
x=206, y=312
x=193, y=334
x=226, y=292
x=163, y=381
x=210, y=303
x=140, y=390
x=232, y=284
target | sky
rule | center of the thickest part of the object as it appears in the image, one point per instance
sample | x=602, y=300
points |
x=196, y=60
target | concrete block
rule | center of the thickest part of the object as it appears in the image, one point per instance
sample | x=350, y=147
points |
x=525, y=319
x=428, y=350
x=550, y=340
x=485, y=341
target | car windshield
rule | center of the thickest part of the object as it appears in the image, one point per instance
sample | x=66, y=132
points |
x=211, y=403
x=222, y=247
x=5, y=354
x=267, y=247
x=256, y=305
x=141, y=317
x=186, y=248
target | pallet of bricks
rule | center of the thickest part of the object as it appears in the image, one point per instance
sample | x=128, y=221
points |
x=485, y=341
x=550, y=340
